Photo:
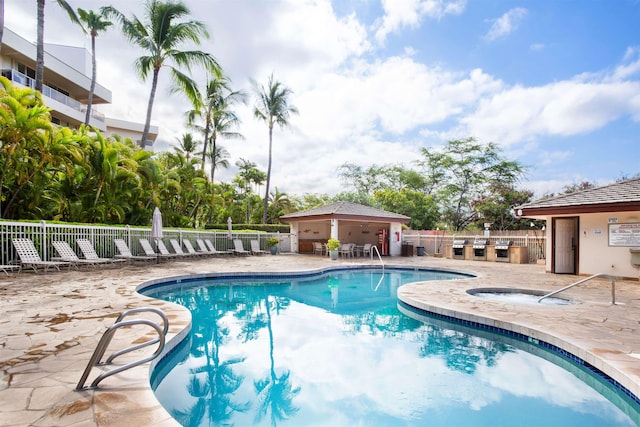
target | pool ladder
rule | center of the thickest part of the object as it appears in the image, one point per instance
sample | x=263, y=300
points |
x=608, y=276
x=375, y=248
x=108, y=336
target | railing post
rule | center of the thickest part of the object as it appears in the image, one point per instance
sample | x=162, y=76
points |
x=43, y=240
x=613, y=291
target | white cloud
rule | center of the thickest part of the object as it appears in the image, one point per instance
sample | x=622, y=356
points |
x=409, y=13
x=506, y=24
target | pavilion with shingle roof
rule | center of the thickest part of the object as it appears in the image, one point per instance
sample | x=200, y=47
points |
x=592, y=231
x=348, y=222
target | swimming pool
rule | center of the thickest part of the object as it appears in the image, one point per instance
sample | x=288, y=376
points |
x=337, y=349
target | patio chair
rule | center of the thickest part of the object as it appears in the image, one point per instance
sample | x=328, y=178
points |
x=366, y=249
x=202, y=247
x=255, y=248
x=238, y=248
x=149, y=251
x=9, y=267
x=165, y=252
x=213, y=249
x=318, y=249
x=178, y=248
x=68, y=254
x=88, y=252
x=346, y=250
x=191, y=250
x=30, y=258
x=125, y=252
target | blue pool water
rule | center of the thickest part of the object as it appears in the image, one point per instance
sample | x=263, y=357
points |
x=337, y=349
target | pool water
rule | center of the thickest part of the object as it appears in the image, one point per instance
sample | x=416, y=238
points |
x=337, y=350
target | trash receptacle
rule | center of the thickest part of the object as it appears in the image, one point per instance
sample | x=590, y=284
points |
x=420, y=250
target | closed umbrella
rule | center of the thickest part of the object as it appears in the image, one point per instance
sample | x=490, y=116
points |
x=156, y=228
x=229, y=227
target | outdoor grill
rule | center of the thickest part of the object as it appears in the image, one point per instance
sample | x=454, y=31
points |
x=502, y=250
x=457, y=249
x=480, y=249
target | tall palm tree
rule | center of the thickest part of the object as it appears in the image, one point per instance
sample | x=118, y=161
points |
x=92, y=23
x=214, y=108
x=161, y=35
x=272, y=107
x=40, y=38
x=218, y=156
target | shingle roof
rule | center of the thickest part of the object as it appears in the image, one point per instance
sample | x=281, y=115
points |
x=346, y=210
x=620, y=196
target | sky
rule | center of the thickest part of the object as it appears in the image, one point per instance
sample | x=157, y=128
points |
x=554, y=83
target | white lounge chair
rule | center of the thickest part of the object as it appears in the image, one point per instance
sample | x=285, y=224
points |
x=202, y=247
x=125, y=252
x=213, y=249
x=191, y=250
x=68, y=254
x=90, y=253
x=30, y=258
x=9, y=267
x=238, y=248
x=178, y=248
x=165, y=252
x=149, y=251
x=255, y=248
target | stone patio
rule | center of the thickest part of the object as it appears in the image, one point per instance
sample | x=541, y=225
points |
x=52, y=322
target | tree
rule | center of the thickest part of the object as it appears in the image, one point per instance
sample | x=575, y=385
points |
x=214, y=108
x=462, y=172
x=40, y=38
x=187, y=146
x=496, y=207
x=92, y=23
x=272, y=107
x=218, y=156
x=161, y=35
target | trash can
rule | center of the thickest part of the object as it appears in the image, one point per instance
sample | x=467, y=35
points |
x=420, y=250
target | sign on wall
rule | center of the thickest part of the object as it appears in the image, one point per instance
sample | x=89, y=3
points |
x=624, y=234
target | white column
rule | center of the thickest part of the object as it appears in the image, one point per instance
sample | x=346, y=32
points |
x=334, y=228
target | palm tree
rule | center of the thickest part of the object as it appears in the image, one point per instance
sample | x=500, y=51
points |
x=161, y=35
x=218, y=157
x=40, y=38
x=214, y=108
x=272, y=107
x=188, y=146
x=92, y=23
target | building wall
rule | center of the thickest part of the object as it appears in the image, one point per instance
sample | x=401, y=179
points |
x=595, y=254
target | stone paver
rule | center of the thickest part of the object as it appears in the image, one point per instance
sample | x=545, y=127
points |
x=51, y=323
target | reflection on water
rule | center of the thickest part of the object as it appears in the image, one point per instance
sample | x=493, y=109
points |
x=337, y=351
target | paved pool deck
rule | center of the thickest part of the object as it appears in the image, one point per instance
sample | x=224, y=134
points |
x=50, y=325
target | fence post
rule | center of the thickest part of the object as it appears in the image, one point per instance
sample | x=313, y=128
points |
x=43, y=240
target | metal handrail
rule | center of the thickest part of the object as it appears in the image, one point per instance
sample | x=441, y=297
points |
x=106, y=339
x=608, y=276
x=381, y=263
x=126, y=313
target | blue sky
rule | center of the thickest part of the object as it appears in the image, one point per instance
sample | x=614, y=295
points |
x=555, y=83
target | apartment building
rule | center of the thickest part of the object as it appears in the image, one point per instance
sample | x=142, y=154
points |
x=67, y=81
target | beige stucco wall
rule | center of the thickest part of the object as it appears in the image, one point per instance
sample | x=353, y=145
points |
x=595, y=254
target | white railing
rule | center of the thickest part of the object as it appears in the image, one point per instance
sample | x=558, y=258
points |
x=43, y=233
x=433, y=243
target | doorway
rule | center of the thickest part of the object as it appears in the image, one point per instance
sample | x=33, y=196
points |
x=565, y=245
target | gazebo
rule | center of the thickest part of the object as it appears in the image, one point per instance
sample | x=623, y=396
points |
x=349, y=223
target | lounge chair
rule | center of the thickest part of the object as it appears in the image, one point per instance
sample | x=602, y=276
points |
x=149, y=251
x=165, y=252
x=202, y=247
x=89, y=253
x=213, y=249
x=191, y=250
x=178, y=248
x=255, y=248
x=9, y=267
x=125, y=252
x=238, y=249
x=30, y=258
x=68, y=254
